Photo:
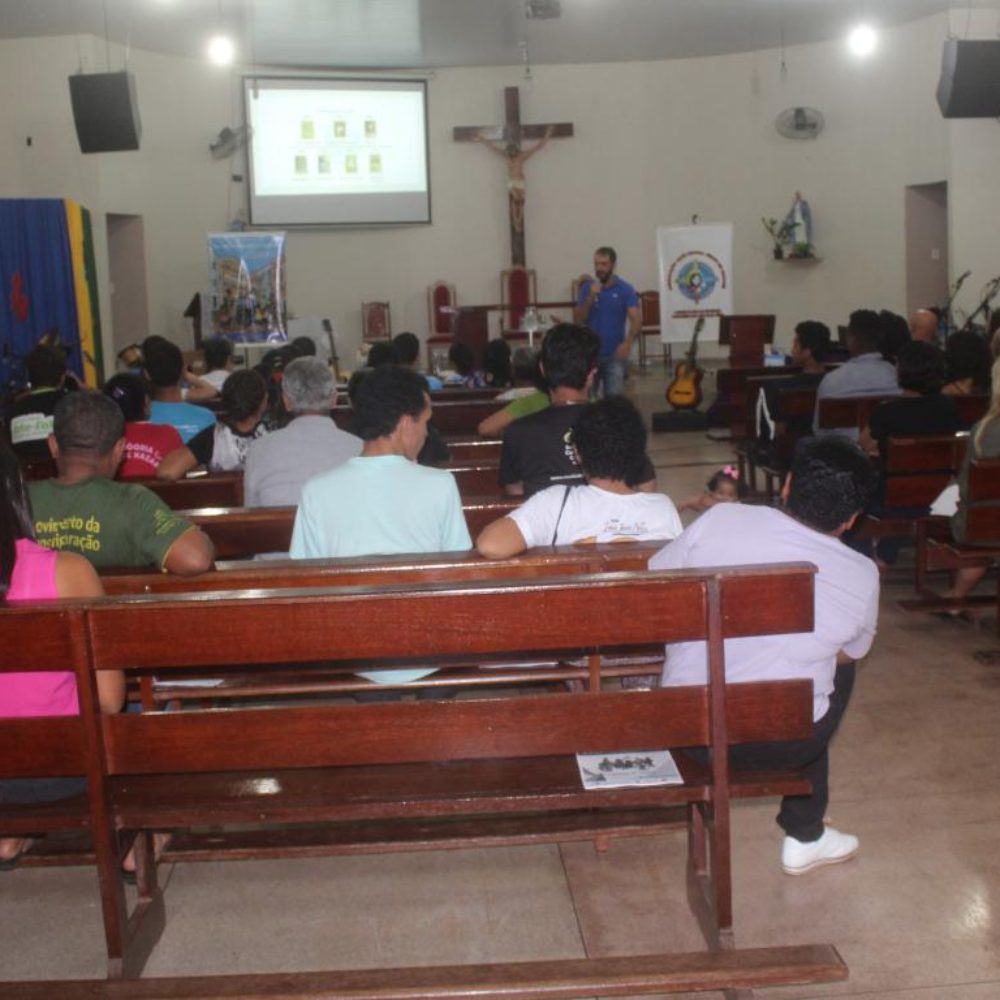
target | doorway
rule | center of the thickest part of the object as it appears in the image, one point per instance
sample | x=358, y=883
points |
x=926, y=246
x=127, y=280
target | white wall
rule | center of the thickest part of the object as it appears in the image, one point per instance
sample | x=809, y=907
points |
x=654, y=143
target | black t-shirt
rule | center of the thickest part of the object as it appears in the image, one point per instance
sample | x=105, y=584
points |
x=914, y=416
x=538, y=451
x=799, y=426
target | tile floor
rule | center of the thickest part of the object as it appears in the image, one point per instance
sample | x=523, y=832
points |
x=916, y=916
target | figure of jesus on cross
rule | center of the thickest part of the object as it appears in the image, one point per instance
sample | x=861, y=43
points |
x=507, y=141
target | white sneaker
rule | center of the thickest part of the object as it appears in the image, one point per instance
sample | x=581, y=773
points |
x=832, y=848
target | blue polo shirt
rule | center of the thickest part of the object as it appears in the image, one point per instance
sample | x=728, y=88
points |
x=608, y=315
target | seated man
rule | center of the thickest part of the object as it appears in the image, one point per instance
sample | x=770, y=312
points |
x=536, y=449
x=223, y=447
x=809, y=346
x=112, y=524
x=867, y=373
x=609, y=438
x=163, y=366
x=279, y=464
x=219, y=363
x=382, y=502
x=408, y=353
x=31, y=414
x=829, y=484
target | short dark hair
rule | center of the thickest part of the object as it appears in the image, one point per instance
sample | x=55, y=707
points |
x=814, y=337
x=608, y=252
x=217, y=351
x=967, y=355
x=87, y=423
x=460, y=355
x=15, y=515
x=893, y=335
x=524, y=365
x=407, y=347
x=920, y=368
x=496, y=363
x=305, y=347
x=569, y=355
x=864, y=327
x=242, y=394
x=382, y=353
x=832, y=480
x=163, y=362
x=610, y=437
x=383, y=397
x=45, y=366
x=724, y=476
x=130, y=393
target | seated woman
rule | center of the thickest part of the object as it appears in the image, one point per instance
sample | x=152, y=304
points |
x=463, y=362
x=610, y=441
x=29, y=572
x=146, y=444
x=921, y=411
x=984, y=442
x=967, y=362
x=224, y=446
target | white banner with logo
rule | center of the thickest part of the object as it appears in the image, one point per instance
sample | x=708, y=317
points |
x=696, y=272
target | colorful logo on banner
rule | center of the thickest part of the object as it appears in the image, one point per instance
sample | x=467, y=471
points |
x=696, y=274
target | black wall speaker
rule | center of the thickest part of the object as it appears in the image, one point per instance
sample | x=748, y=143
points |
x=970, y=79
x=105, y=111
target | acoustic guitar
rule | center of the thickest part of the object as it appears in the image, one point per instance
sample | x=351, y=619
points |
x=684, y=390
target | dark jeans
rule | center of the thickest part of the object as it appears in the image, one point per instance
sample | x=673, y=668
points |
x=801, y=816
x=26, y=791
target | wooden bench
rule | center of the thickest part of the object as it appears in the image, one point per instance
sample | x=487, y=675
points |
x=201, y=489
x=243, y=532
x=937, y=551
x=465, y=448
x=421, y=775
x=453, y=567
x=855, y=411
x=461, y=417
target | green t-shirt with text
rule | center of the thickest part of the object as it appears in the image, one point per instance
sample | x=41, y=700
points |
x=108, y=523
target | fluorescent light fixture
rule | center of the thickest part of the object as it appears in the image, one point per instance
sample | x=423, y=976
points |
x=221, y=50
x=863, y=40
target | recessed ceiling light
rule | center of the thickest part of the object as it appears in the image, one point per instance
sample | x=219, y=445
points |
x=863, y=40
x=221, y=50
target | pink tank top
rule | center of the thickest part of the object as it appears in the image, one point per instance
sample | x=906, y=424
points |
x=27, y=694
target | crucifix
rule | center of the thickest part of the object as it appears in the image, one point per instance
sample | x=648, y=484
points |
x=506, y=141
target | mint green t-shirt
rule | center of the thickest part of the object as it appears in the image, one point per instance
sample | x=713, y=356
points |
x=379, y=506
x=108, y=523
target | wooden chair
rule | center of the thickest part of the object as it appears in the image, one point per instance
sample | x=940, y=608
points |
x=441, y=298
x=517, y=292
x=376, y=323
x=649, y=307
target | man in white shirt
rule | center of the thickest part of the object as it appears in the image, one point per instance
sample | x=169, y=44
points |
x=829, y=483
x=609, y=437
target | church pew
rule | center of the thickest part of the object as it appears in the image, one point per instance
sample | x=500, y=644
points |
x=475, y=478
x=243, y=532
x=856, y=411
x=499, y=770
x=200, y=489
x=731, y=393
x=937, y=551
x=449, y=417
x=475, y=449
x=371, y=572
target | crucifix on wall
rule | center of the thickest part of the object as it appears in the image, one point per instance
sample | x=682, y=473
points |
x=507, y=141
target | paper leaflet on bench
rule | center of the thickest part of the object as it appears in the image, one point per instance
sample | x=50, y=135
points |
x=629, y=769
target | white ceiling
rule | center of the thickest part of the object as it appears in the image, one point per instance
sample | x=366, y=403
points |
x=434, y=33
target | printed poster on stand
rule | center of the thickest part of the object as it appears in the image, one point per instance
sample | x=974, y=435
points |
x=248, y=286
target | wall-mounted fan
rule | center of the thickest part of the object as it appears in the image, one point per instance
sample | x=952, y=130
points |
x=227, y=142
x=799, y=123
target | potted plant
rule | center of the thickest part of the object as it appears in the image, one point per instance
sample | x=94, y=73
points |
x=780, y=234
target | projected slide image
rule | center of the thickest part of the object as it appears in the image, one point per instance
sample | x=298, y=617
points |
x=388, y=127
